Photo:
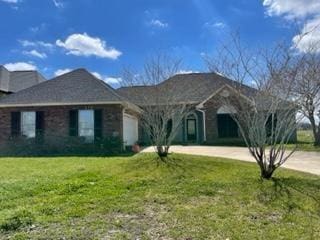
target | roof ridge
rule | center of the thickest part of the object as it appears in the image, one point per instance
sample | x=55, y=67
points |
x=104, y=84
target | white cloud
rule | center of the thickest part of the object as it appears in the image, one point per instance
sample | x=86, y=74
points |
x=62, y=71
x=306, y=10
x=219, y=25
x=10, y=1
x=35, y=53
x=203, y=54
x=215, y=25
x=110, y=80
x=38, y=28
x=84, y=45
x=97, y=75
x=158, y=23
x=27, y=43
x=309, y=39
x=186, y=71
x=292, y=9
x=58, y=3
x=20, y=66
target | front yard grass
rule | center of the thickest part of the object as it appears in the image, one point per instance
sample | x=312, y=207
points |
x=138, y=198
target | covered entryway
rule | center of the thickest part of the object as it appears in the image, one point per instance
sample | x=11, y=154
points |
x=130, y=129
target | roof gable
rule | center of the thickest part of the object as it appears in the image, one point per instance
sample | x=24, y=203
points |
x=4, y=79
x=192, y=88
x=14, y=81
x=78, y=86
x=20, y=80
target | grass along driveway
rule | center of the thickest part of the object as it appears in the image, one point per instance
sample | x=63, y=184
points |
x=301, y=160
x=135, y=197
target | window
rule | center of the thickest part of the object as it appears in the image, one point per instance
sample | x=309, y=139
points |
x=86, y=125
x=28, y=124
x=227, y=127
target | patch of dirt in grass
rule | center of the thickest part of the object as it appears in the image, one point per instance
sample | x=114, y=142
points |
x=145, y=225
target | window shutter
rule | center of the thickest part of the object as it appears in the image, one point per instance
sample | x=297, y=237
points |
x=39, y=124
x=97, y=124
x=15, y=124
x=73, y=123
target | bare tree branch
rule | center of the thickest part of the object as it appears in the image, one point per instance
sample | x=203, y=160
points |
x=163, y=112
x=266, y=119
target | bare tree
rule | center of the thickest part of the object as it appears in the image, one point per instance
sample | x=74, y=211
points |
x=162, y=110
x=307, y=88
x=266, y=116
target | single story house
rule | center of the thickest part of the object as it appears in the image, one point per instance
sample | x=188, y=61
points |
x=80, y=105
x=210, y=122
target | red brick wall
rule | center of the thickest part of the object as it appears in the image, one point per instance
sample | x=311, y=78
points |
x=211, y=107
x=56, y=119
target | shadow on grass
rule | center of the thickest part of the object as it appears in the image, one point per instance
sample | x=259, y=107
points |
x=290, y=190
x=147, y=160
x=175, y=164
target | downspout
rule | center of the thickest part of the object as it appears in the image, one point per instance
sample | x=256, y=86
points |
x=204, y=124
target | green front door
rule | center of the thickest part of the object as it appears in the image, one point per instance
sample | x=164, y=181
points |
x=191, y=130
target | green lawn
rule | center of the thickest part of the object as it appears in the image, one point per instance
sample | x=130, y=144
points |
x=136, y=198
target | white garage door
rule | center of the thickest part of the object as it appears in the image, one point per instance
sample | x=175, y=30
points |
x=130, y=129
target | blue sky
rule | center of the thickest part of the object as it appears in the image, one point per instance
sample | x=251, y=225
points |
x=55, y=36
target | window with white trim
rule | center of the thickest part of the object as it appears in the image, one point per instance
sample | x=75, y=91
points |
x=86, y=125
x=28, y=124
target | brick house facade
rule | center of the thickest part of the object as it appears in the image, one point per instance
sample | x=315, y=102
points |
x=56, y=119
x=75, y=105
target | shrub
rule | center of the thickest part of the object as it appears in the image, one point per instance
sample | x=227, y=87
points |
x=55, y=145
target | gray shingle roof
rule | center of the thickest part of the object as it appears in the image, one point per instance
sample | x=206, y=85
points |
x=14, y=81
x=194, y=87
x=78, y=86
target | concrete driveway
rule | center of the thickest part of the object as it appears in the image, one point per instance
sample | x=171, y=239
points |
x=301, y=161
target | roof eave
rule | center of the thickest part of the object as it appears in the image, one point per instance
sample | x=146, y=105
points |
x=125, y=104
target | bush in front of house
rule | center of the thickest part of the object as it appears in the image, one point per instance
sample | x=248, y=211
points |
x=54, y=145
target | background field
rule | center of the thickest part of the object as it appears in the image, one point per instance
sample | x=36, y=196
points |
x=305, y=141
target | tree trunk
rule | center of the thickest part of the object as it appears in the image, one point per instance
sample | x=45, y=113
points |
x=315, y=129
x=317, y=139
x=266, y=174
x=162, y=152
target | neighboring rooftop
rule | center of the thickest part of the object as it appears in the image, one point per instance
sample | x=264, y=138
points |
x=14, y=81
x=76, y=87
x=193, y=87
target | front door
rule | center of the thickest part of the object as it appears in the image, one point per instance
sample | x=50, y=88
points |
x=191, y=130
